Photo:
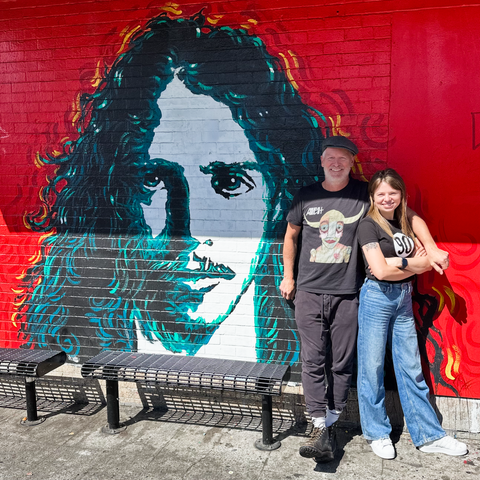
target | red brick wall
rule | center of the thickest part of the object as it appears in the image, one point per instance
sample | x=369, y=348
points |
x=398, y=79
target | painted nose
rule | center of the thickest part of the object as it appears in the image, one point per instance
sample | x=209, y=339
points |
x=180, y=240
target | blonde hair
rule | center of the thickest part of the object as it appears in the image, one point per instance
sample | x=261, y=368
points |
x=392, y=178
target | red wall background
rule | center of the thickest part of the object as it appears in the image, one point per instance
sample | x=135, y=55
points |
x=400, y=80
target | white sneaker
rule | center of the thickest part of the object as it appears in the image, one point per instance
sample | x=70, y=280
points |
x=383, y=448
x=446, y=445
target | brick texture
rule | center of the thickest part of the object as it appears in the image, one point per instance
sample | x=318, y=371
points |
x=107, y=219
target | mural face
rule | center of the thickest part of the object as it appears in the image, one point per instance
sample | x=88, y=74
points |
x=169, y=208
x=214, y=198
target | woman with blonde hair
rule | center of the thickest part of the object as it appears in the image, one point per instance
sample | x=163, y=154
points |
x=392, y=258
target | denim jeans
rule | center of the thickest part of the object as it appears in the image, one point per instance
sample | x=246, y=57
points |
x=385, y=315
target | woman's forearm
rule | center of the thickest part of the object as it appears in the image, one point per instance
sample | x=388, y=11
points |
x=415, y=264
x=418, y=265
x=384, y=268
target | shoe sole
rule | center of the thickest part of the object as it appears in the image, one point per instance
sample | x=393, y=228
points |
x=311, y=452
x=384, y=457
x=442, y=450
x=324, y=459
x=308, y=452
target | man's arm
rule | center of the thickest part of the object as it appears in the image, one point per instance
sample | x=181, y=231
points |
x=438, y=258
x=290, y=243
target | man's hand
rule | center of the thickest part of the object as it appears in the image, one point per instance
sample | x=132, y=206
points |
x=438, y=259
x=287, y=288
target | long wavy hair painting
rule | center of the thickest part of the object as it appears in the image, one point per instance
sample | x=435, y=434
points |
x=103, y=279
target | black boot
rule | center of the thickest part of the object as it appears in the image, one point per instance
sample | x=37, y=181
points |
x=319, y=445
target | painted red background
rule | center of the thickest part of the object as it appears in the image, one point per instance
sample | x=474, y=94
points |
x=399, y=79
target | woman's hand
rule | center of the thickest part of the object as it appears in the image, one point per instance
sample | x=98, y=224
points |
x=420, y=251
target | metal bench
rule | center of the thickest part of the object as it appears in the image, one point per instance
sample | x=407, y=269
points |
x=247, y=377
x=30, y=364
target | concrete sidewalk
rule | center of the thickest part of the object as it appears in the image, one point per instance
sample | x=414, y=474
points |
x=194, y=446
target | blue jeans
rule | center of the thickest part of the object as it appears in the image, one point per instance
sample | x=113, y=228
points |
x=385, y=315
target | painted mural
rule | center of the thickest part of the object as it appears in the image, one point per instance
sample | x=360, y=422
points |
x=151, y=154
x=170, y=206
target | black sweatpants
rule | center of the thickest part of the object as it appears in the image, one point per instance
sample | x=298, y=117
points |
x=328, y=330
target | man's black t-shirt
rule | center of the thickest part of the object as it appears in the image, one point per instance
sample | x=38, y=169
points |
x=328, y=257
x=400, y=245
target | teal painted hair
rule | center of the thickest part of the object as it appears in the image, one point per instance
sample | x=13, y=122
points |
x=103, y=275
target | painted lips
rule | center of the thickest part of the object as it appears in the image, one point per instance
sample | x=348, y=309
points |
x=200, y=280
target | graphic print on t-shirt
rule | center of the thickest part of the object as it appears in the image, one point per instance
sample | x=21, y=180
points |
x=403, y=245
x=330, y=228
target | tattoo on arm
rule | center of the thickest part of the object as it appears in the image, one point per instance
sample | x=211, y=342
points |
x=371, y=246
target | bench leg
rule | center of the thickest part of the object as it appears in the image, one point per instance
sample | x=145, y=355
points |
x=267, y=443
x=113, y=409
x=31, y=398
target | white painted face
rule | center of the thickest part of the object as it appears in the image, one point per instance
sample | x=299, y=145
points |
x=331, y=228
x=223, y=191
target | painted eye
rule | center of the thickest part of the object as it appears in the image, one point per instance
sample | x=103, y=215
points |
x=152, y=180
x=229, y=180
x=232, y=185
x=324, y=227
x=339, y=227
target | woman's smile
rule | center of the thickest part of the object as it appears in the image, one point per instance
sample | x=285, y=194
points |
x=387, y=199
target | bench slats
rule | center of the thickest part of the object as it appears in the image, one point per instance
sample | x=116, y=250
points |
x=195, y=372
x=29, y=363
